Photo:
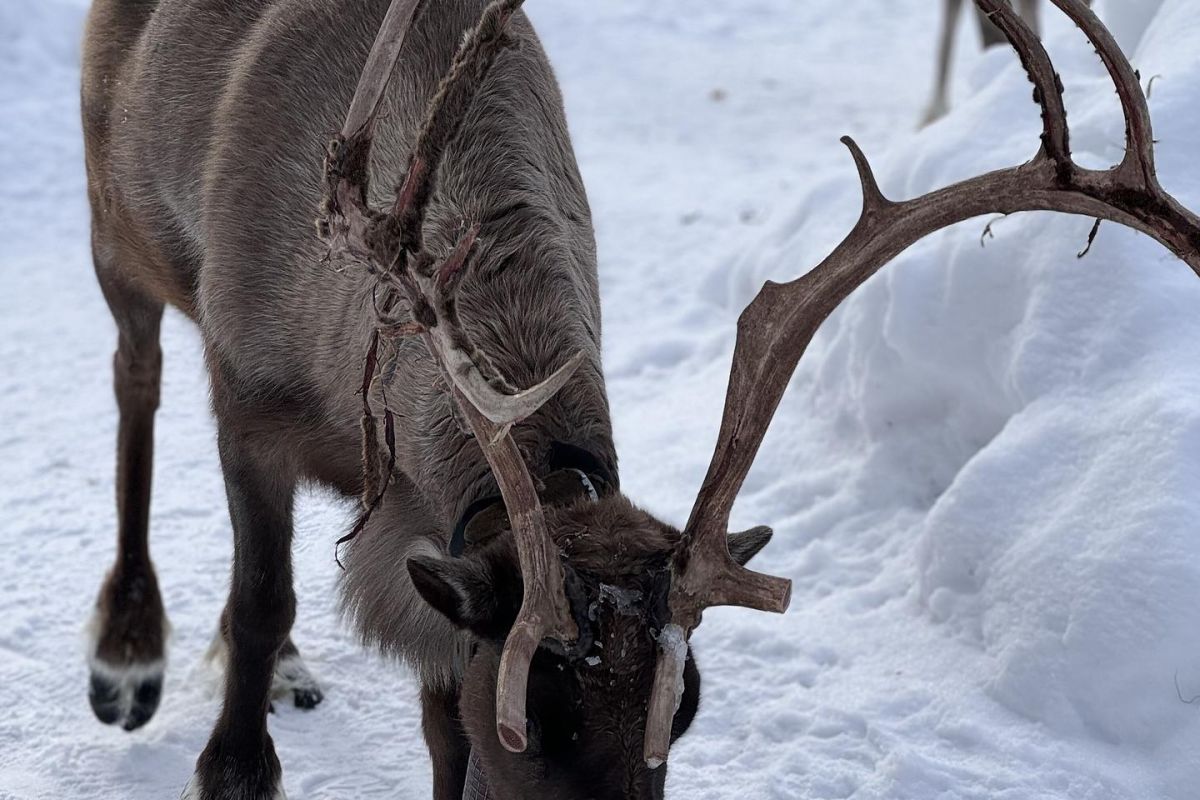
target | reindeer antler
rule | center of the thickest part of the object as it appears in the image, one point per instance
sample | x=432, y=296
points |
x=775, y=329
x=392, y=244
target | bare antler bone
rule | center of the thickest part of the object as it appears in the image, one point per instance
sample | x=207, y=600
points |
x=392, y=244
x=775, y=329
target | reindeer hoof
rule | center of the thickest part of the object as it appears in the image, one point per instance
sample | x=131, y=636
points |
x=292, y=677
x=307, y=698
x=127, y=642
x=125, y=696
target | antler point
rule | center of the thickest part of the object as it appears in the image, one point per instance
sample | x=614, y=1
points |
x=873, y=198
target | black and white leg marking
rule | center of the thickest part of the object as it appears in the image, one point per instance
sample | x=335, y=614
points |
x=123, y=694
x=128, y=633
x=291, y=679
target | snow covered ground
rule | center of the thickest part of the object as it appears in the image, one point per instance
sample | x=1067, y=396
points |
x=982, y=479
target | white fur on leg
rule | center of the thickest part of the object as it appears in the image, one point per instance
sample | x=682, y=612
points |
x=129, y=674
x=291, y=673
x=192, y=790
x=216, y=663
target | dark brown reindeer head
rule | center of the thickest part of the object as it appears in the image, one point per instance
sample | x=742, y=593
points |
x=587, y=701
x=569, y=611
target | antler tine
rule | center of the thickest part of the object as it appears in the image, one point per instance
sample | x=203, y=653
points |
x=468, y=368
x=445, y=116
x=345, y=221
x=381, y=63
x=1048, y=93
x=393, y=243
x=1139, y=133
x=544, y=608
x=775, y=328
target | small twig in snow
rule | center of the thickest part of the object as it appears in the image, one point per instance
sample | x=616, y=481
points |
x=987, y=231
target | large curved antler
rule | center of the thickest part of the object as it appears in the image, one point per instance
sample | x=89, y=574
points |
x=775, y=329
x=392, y=245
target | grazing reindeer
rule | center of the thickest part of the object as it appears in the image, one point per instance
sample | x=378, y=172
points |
x=992, y=36
x=204, y=121
x=547, y=616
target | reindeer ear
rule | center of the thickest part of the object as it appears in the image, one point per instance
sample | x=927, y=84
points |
x=745, y=545
x=457, y=588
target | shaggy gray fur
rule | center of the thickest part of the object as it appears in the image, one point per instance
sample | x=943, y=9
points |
x=231, y=102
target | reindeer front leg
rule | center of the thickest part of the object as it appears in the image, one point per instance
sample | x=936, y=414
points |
x=448, y=745
x=239, y=762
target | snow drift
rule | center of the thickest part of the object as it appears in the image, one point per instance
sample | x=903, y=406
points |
x=1040, y=411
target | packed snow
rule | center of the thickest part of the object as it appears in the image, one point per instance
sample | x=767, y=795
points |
x=983, y=478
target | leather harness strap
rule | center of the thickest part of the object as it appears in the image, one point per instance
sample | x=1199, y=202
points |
x=587, y=473
x=476, y=787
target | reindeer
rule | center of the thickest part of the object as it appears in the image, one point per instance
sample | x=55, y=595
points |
x=547, y=616
x=992, y=36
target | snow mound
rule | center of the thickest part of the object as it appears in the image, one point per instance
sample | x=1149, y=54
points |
x=1040, y=411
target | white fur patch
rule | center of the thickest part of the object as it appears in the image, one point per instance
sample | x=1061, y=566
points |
x=129, y=673
x=192, y=790
x=291, y=673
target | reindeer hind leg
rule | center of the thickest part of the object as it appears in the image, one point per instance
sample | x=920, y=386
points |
x=1031, y=13
x=992, y=35
x=939, y=104
x=127, y=652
